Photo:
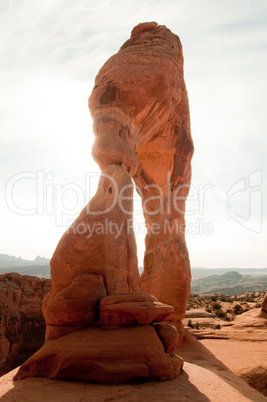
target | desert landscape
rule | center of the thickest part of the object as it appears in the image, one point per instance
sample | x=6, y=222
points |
x=125, y=309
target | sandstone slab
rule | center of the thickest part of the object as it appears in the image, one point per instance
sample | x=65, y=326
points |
x=252, y=318
x=132, y=309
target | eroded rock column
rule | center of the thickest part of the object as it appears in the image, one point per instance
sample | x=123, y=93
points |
x=141, y=117
x=95, y=257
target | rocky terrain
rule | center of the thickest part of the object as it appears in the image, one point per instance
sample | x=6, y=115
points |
x=226, y=330
x=222, y=306
x=226, y=335
x=22, y=325
x=41, y=271
x=235, y=330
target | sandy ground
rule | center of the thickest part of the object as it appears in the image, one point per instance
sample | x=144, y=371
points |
x=238, y=355
x=204, y=378
x=247, y=359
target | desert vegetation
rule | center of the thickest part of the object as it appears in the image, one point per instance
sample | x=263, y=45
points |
x=223, y=306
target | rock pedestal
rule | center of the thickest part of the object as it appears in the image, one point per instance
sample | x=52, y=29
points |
x=102, y=320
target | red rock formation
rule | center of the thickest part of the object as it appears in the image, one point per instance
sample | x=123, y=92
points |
x=22, y=325
x=264, y=305
x=120, y=344
x=101, y=240
x=99, y=326
x=96, y=257
x=141, y=117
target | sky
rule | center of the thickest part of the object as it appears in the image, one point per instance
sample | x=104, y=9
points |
x=50, y=53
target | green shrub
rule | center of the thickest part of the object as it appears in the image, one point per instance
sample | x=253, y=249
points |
x=190, y=324
x=220, y=314
x=216, y=306
x=238, y=309
x=214, y=298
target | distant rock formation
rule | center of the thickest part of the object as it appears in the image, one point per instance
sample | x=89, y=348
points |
x=22, y=327
x=9, y=261
x=229, y=283
x=100, y=326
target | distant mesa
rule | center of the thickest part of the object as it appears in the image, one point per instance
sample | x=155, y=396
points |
x=230, y=283
x=8, y=261
x=40, y=266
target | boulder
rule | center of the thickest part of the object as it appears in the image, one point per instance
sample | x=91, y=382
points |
x=104, y=355
x=168, y=335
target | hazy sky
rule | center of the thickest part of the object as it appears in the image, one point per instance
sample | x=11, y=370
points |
x=50, y=52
